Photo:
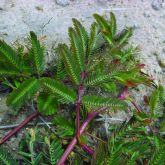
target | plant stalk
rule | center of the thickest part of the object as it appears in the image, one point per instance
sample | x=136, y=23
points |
x=78, y=106
x=74, y=141
x=124, y=95
x=80, y=93
x=29, y=124
x=19, y=127
x=135, y=105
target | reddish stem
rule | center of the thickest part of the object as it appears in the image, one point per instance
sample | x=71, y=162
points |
x=125, y=95
x=80, y=93
x=70, y=147
x=78, y=119
x=136, y=107
x=87, y=149
x=16, y=129
x=78, y=106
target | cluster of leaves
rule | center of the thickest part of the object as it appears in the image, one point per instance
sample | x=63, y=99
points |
x=5, y=158
x=22, y=70
x=88, y=75
x=131, y=144
x=27, y=68
x=35, y=149
x=139, y=141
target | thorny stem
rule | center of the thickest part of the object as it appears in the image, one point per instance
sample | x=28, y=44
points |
x=21, y=125
x=74, y=141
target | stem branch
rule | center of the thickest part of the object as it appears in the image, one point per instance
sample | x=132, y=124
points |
x=78, y=106
x=136, y=107
x=21, y=125
x=74, y=141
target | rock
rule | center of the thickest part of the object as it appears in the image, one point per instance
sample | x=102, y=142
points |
x=156, y=53
x=157, y=4
x=62, y=3
x=39, y=8
x=161, y=62
x=154, y=26
x=2, y=4
x=146, y=14
x=136, y=26
x=163, y=50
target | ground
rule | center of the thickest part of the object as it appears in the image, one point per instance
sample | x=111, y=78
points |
x=51, y=18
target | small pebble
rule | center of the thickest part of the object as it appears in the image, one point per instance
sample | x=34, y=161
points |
x=155, y=26
x=136, y=26
x=156, y=53
x=39, y=8
x=146, y=14
x=62, y=3
x=161, y=62
x=164, y=50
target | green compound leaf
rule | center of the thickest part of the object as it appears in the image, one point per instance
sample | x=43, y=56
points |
x=63, y=127
x=7, y=70
x=5, y=157
x=8, y=54
x=70, y=64
x=113, y=26
x=124, y=36
x=102, y=22
x=82, y=33
x=23, y=93
x=55, y=150
x=60, y=89
x=158, y=157
x=37, y=53
x=92, y=39
x=77, y=48
x=156, y=102
x=99, y=101
x=98, y=79
x=47, y=103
